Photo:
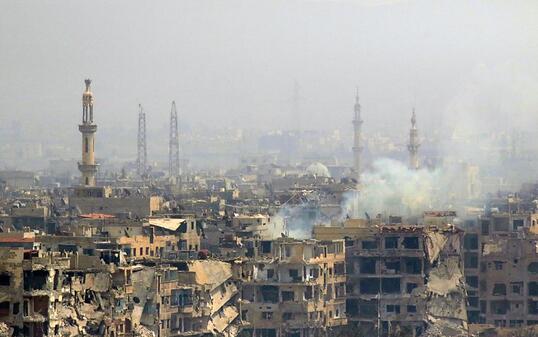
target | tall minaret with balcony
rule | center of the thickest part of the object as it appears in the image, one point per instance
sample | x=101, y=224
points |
x=357, y=122
x=87, y=167
x=413, y=143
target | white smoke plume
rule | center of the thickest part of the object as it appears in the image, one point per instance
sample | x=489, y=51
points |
x=297, y=221
x=391, y=188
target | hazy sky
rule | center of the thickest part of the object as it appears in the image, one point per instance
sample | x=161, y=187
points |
x=234, y=63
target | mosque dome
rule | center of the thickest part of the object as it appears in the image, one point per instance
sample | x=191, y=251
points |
x=319, y=170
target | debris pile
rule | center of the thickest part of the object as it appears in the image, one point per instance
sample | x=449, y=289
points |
x=444, y=293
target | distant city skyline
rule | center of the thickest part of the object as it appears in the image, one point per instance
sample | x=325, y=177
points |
x=235, y=64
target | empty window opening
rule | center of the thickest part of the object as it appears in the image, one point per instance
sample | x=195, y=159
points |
x=5, y=279
x=368, y=265
x=308, y=295
x=340, y=268
x=410, y=287
x=369, y=286
x=390, y=285
x=471, y=260
x=4, y=309
x=413, y=265
x=516, y=287
x=35, y=280
x=368, y=309
x=473, y=302
x=485, y=227
x=533, y=307
x=533, y=288
x=470, y=241
x=369, y=244
x=391, y=242
x=393, y=308
x=269, y=294
x=533, y=268
x=16, y=308
x=472, y=281
x=411, y=242
x=41, y=305
x=288, y=296
x=518, y=223
x=294, y=275
x=352, y=307
x=499, y=289
x=181, y=297
x=499, y=307
x=392, y=266
x=266, y=247
x=265, y=332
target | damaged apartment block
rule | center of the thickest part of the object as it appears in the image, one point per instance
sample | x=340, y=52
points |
x=292, y=287
x=52, y=294
x=501, y=269
x=72, y=294
x=406, y=279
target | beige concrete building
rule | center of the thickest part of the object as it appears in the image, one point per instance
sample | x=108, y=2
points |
x=293, y=288
x=256, y=226
x=501, y=270
x=105, y=200
x=404, y=279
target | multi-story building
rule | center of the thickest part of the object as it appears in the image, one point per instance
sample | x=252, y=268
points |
x=213, y=309
x=501, y=269
x=292, y=287
x=402, y=278
x=253, y=226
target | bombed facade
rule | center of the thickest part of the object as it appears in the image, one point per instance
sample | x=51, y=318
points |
x=403, y=278
x=501, y=269
x=292, y=288
x=271, y=248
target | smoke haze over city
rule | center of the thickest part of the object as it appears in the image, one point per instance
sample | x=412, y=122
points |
x=234, y=63
x=269, y=168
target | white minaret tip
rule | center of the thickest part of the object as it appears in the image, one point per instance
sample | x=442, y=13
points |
x=413, y=143
x=356, y=137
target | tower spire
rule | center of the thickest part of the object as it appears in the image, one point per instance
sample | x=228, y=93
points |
x=413, y=143
x=357, y=122
x=173, y=146
x=142, y=152
x=87, y=167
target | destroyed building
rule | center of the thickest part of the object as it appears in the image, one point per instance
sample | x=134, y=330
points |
x=402, y=278
x=501, y=269
x=71, y=294
x=292, y=287
x=84, y=200
x=49, y=293
x=252, y=226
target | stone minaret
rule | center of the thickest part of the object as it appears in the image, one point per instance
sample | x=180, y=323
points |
x=87, y=167
x=413, y=143
x=357, y=122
